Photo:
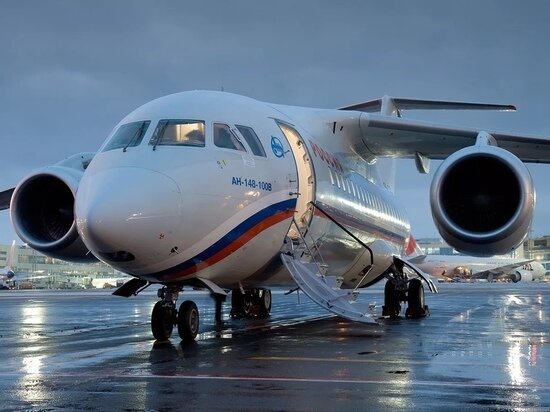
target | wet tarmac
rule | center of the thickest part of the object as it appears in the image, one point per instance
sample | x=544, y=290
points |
x=484, y=347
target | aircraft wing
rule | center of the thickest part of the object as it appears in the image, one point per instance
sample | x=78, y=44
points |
x=5, y=198
x=499, y=270
x=386, y=133
x=398, y=137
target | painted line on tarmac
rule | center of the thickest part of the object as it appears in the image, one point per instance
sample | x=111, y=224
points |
x=347, y=360
x=532, y=387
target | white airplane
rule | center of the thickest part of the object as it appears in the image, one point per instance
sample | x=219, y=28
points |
x=7, y=273
x=471, y=267
x=450, y=267
x=228, y=193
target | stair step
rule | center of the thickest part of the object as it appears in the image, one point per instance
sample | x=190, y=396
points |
x=318, y=288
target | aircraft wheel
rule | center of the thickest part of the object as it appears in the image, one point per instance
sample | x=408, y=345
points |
x=237, y=304
x=266, y=301
x=188, y=321
x=391, y=307
x=162, y=321
x=416, y=308
x=246, y=305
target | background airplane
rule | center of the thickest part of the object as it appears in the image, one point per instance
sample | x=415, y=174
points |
x=470, y=267
x=228, y=193
x=462, y=267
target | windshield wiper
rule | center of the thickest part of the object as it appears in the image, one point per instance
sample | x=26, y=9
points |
x=136, y=134
x=160, y=134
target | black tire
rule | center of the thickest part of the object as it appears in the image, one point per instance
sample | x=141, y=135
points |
x=188, y=321
x=416, y=308
x=162, y=321
x=266, y=301
x=391, y=308
x=236, y=304
x=247, y=305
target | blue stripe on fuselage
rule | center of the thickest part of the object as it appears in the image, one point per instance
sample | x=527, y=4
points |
x=230, y=237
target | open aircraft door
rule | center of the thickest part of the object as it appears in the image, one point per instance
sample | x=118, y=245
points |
x=305, y=186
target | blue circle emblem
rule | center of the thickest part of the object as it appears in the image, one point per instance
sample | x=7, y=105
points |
x=277, y=147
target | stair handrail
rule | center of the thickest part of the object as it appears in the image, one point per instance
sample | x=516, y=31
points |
x=315, y=205
x=319, y=268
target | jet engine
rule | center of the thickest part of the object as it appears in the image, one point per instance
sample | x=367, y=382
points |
x=482, y=199
x=42, y=210
x=522, y=276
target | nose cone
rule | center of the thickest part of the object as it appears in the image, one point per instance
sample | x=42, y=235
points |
x=128, y=216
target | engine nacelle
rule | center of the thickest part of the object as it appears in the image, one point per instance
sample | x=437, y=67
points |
x=42, y=210
x=482, y=200
x=522, y=276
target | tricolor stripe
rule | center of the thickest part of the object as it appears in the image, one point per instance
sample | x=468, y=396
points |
x=232, y=241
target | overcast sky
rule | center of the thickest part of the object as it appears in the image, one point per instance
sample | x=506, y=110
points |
x=70, y=70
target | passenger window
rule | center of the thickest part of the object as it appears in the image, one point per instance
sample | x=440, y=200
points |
x=179, y=133
x=127, y=135
x=252, y=139
x=225, y=138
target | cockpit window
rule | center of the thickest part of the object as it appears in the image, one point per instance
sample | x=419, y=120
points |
x=127, y=135
x=225, y=138
x=179, y=133
x=252, y=139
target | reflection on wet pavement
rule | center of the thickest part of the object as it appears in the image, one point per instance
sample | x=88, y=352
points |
x=485, y=346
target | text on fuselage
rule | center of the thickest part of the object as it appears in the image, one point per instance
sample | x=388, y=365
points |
x=326, y=156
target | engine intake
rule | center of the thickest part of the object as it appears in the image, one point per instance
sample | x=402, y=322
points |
x=42, y=213
x=522, y=276
x=482, y=200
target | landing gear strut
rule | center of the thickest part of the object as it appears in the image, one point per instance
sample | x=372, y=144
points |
x=254, y=303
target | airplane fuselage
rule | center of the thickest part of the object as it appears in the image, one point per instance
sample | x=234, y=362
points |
x=208, y=202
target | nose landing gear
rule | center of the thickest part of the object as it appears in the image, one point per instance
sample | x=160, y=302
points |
x=165, y=316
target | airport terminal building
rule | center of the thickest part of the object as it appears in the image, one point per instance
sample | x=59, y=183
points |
x=36, y=271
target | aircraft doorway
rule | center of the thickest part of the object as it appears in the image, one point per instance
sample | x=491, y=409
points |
x=306, y=179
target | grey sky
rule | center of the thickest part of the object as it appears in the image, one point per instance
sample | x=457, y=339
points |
x=69, y=71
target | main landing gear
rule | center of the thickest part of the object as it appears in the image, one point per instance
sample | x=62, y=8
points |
x=254, y=303
x=165, y=316
x=400, y=289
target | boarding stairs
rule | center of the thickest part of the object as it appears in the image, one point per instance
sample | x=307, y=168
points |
x=304, y=261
